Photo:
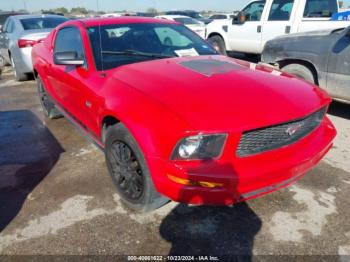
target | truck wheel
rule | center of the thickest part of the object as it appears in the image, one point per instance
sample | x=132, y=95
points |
x=18, y=75
x=47, y=105
x=300, y=71
x=218, y=43
x=129, y=171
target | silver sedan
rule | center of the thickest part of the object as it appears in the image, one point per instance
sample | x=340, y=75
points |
x=19, y=34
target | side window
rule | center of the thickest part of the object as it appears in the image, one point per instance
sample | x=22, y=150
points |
x=4, y=29
x=320, y=8
x=9, y=26
x=68, y=40
x=281, y=10
x=254, y=11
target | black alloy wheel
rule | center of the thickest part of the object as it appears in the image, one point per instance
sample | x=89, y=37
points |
x=127, y=171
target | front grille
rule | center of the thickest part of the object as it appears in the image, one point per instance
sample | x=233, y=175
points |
x=269, y=138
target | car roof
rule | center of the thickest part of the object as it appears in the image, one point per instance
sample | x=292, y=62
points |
x=90, y=22
x=174, y=16
x=36, y=16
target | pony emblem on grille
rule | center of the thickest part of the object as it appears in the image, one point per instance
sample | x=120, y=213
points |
x=293, y=129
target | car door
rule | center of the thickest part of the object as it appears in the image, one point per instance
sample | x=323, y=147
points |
x=5, y=39
x=338, y=77
x=70, y=83
x=279, y=21
x=246, y=37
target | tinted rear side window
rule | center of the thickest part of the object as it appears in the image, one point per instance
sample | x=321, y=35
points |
x=320, y=8
x=42, y=22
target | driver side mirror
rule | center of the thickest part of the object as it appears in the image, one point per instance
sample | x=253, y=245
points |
x=239, y=19
x=68, y=58
x=1, y=29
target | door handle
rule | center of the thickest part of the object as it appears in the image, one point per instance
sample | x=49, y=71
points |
x=287, y=30
x=258, y=29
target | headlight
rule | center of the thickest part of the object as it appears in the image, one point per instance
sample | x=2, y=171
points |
x=199, y=147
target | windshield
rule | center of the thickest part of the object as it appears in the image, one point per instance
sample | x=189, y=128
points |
x=124, y=44
x=187, y=21
x=42, y=22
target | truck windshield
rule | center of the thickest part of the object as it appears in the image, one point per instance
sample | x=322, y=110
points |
x=320, y=8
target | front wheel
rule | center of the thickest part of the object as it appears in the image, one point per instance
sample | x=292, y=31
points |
x=47, y=105
x=129, y=171
x=218, y=43
x=300, y=71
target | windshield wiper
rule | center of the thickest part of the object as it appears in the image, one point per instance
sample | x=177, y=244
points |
x=136, y=53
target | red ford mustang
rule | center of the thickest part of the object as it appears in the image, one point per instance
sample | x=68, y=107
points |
x=175, y=119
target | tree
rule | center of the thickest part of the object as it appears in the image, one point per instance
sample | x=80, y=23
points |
x=62, y=10
x=152, y=10
x=79, y=10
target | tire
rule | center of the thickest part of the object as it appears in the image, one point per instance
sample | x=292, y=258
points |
x=49, y=108
x=129, y=171
x=300, y=71
x=218, y=43
x=18, y=75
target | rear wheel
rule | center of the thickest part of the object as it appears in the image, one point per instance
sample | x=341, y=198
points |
x=218, y=43
x=300, y=71
x=129, y=171
x=47, y=105
x=18, y=74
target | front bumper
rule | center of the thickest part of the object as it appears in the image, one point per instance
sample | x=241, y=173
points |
x=243, y=178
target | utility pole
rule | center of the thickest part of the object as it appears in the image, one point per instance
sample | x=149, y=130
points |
x=25, y=5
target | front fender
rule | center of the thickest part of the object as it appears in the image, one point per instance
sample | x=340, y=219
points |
x=155, y=128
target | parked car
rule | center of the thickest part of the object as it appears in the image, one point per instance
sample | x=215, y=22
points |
x=146, y=14
x=200, y=129
x=221, y=16
x=193, y=24
x=112, y=15
x=262, y=20
x=5, y=15
x=190, y=13
x=19, y=34
x=320, y=57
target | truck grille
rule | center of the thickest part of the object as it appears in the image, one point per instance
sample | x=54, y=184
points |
x=269, y=138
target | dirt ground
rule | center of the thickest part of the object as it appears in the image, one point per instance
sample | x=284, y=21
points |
x=56, y=197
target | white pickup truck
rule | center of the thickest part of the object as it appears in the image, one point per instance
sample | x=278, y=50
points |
x=263, y=20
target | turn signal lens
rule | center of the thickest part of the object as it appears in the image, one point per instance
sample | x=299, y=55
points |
x=187, y=182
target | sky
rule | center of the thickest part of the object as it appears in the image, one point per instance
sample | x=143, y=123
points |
x=130, y=5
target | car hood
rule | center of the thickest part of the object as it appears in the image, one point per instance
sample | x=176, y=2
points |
x=220, y=93
x=307, y=34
